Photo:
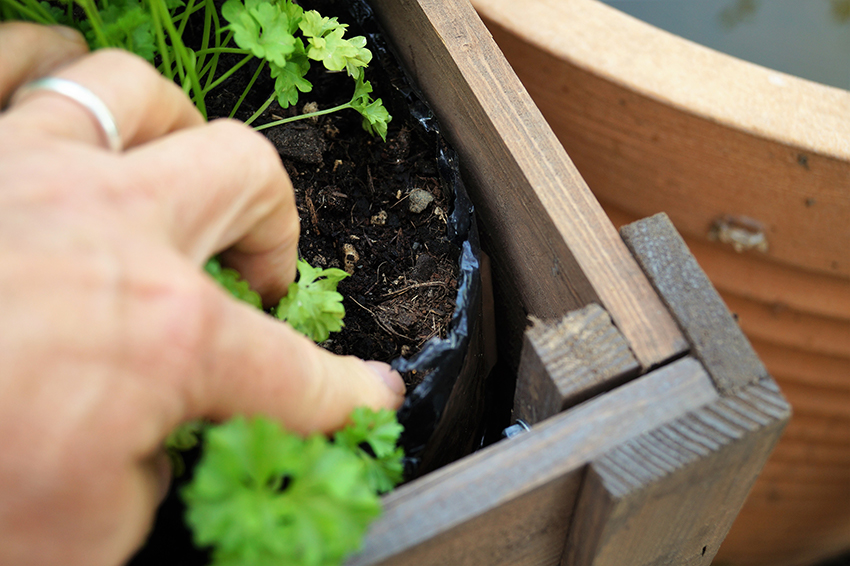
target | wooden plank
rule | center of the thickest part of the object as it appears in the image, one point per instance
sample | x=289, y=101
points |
x=715, y=337
x=541, y=222
x=797, y=511
x=569, y=361
x=760, y=280
x=510, y=504
x=655, y=122
x=669, y=496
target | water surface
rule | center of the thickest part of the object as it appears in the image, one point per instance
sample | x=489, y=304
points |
x=807, y=38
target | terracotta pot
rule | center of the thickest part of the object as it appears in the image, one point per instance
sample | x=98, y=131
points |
x=753, y=167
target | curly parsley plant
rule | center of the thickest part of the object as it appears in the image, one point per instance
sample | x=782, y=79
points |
x=312, y=305
x=263, y=496
x=279, y=33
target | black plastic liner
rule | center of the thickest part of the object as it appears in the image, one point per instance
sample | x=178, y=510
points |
x=443, y=415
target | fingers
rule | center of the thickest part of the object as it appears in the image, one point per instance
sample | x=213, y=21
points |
x=29, y=51
x=233, y=194
x=144, y=104
x=260, y=365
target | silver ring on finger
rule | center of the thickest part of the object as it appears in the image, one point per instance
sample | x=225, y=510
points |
x=85, y=98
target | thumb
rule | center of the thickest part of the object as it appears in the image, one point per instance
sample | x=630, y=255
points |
x=257, y=364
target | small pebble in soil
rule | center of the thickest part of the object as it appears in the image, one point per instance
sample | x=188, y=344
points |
x=441, y=214
x=379, y=219
x=309, y=108
x=350, y=257
x=418, y=200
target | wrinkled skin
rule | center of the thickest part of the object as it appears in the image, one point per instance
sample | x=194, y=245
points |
x=110, y=334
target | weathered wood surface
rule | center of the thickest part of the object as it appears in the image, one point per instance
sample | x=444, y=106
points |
x=566, y=362
x=669, y=496
x=654, y=122
x=511, y=503
x=715, y=338
x=544, y=228
x=804, y=491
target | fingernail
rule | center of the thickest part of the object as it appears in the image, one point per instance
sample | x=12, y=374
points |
x=69, y=33
x=390, y=377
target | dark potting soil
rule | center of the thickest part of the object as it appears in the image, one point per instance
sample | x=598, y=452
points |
x=375, y=209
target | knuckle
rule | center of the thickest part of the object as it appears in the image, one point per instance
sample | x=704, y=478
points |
x=172, y=320
x=112, y=57
x=187, y=315
x=252, y=143
x=266, y=168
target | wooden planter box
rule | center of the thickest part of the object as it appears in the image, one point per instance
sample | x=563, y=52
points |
x=657, y=123
x=651, y=415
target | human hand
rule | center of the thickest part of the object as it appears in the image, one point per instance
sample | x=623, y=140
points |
x=110, y=334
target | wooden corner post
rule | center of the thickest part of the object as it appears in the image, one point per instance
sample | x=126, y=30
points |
x=670, y=494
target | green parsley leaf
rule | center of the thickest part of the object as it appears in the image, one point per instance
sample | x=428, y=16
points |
x=184, y=437
x=59, y=15
x=231, y=280
x=380, y=431
x=126, y=24
x=261, y=27
x=375, y=115
x=263, y=496
x=312, y=306
x=289, y=79
x=313, y=24
x=328, y=46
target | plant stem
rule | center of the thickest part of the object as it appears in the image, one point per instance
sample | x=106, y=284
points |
x=247, y=89
x=210, y=50
x=159, y=31
x=183, y=18
x=303, y=116
x=229, y=72
x=212, y=12
x=260, y=111
x=31, y=10
x=95, y=20
x=183, y=56
x=205, y=40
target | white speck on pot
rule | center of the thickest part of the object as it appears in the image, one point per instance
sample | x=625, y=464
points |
x=418, y=200
x=741, y=232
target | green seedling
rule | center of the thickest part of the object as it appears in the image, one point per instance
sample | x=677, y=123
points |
x=278, y=33
x=263, y=496
x=312, y=305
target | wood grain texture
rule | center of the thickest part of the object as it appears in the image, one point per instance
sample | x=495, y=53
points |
x=510, y=504
x=654, y=122
x=566, y=362
x=539, y=218
x=755, y=278
x=669, y=496
x=799, y=508
x=715, y=338
x=798, y=511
